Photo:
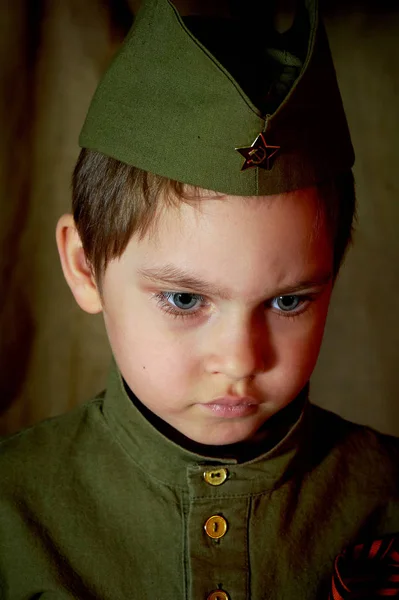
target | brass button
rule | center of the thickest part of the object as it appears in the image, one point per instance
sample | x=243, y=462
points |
x=216, y=527
x=216, y=476
x=218, y=595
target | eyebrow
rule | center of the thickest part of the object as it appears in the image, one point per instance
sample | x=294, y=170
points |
x=179, y=279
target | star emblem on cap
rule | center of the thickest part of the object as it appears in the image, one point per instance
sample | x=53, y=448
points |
x=259, y=154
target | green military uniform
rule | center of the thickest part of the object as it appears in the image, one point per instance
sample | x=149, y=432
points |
x=99, y=504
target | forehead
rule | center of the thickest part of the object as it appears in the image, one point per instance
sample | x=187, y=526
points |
x=212, y=212
x=239, y=243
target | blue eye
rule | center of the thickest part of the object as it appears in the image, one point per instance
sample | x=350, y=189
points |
x=286, y=303
x=182, y=300
x=180, y=304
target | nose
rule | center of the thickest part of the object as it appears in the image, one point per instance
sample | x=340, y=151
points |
x=237, y=350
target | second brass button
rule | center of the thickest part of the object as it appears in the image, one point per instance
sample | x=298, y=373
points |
x=215, y=527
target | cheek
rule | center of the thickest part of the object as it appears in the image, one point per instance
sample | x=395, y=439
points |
x=302, y=354
x=151, y=356
x=293, y=366
x=298, y=344
x=149, y=353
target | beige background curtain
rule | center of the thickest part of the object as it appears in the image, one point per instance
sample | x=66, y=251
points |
x=52, y=355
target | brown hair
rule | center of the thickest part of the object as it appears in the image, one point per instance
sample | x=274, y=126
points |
x=112, y=201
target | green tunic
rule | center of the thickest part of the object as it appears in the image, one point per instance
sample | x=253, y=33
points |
x=99, y=504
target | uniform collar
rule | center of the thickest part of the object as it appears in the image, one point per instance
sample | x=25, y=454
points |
x=168, y=462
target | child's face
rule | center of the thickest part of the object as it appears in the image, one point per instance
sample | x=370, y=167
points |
x=195, y=316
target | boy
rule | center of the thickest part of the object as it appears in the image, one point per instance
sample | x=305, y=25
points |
x=213, y=203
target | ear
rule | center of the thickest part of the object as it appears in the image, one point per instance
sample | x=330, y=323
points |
x=76, y=269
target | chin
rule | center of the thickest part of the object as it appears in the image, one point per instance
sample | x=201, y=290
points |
x=225, y=438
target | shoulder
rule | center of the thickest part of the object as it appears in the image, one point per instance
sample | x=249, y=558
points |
x=353, y=468
x=37, y=453
x=329, y=428
x=356, y=451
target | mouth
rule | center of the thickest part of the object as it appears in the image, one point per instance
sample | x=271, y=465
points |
x=230, y=407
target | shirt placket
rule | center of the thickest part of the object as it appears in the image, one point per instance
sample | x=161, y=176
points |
x=217, y=535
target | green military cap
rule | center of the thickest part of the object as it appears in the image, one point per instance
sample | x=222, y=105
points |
x=251, y=117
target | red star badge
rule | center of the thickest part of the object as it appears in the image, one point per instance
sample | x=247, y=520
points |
x=258, y=154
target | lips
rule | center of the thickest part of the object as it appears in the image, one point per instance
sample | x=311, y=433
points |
x=233, y=401
x=230, y=407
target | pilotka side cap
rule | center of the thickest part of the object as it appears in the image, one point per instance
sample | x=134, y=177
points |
x=167, y=105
